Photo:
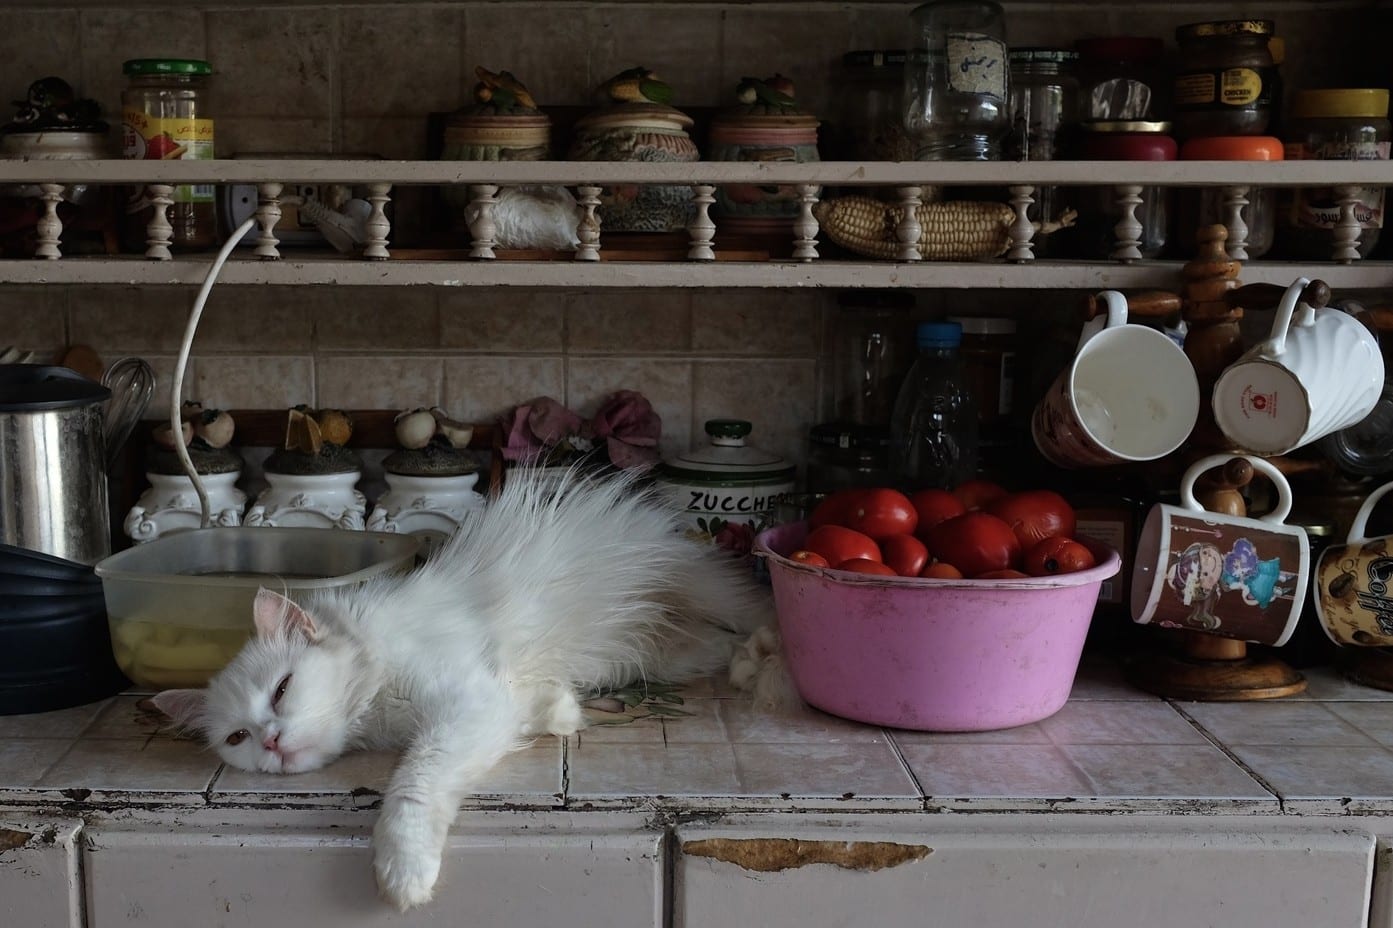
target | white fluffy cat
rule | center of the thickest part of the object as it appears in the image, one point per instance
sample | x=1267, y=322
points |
x=551, y=593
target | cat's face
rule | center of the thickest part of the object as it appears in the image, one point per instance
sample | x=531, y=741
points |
x=279, y=706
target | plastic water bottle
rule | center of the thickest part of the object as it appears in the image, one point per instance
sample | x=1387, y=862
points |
x=933, y=430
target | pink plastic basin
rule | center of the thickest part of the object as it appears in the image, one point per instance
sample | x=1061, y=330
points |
x=931, y=655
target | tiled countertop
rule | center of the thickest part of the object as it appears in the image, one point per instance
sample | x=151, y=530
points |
x=1111, y=748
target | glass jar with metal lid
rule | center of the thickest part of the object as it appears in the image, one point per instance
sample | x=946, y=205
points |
x=1224, y=81
x=1044, y=111
x=1206, y=206
x=955, y=89
x=1333, y=125
x=166, y=115
x=1099, y=208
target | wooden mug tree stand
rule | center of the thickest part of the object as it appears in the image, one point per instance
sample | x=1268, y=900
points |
x=1205, y=667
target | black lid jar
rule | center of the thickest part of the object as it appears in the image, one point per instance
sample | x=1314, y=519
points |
x=1224, y=81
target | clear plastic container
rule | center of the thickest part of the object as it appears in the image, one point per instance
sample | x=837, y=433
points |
x=1121, y=78
x=956, y=80
x=180, y=607
x=933, y=432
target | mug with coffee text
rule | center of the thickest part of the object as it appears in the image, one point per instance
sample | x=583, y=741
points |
x=1354, y=583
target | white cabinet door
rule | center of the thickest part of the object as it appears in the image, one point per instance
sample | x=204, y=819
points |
x=40, y=884
x=499, y=870
x=1039, y=870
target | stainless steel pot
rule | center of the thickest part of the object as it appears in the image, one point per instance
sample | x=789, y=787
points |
x=53, y=495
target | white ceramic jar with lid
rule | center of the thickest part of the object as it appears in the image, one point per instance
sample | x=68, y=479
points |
x=728, y=489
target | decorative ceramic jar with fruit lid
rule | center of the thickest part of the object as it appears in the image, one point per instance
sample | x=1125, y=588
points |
x=635, y=123
x=503, y=124
x=767, y=125
x=728, y=490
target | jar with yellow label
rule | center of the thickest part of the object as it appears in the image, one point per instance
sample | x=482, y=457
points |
x=1224, y=82
x=165, y=115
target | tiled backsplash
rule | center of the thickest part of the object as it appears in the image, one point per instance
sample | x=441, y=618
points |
x=362, y=77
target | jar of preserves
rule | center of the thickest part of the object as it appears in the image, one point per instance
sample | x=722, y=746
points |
x=1099, y=209
x=1206, y=206
x=1333, y=125
x=1120, y=78
x=166, y=115
x=955, y=87
x=1224, y=81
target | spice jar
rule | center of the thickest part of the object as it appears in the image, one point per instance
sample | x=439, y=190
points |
x=1099, y=210
x=956, y=106
x=165, y=115
x=1333, y=125
x=1223, y=85
x=988, y=351
x=1205, y=206
x=1120, y=78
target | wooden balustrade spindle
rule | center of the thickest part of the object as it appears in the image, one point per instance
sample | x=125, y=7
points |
x=483, y=230
x=907, y=230
x=268, y=214
x=589, y=229
x=702, y=229
x=1022, y=230
x=805, y=225
x=1128, y=231
x=49, y=227
x=159, y=232
x=378, y=226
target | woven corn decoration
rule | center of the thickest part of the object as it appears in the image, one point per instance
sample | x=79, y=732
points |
x=960, y=230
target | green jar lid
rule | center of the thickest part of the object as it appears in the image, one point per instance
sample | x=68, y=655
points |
x=141, y=66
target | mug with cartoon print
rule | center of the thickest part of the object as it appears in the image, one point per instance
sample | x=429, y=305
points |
x=1354, y=583
x=1226, y=575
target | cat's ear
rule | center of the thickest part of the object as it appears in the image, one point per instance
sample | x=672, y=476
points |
x=276, y=616
x=184, y=706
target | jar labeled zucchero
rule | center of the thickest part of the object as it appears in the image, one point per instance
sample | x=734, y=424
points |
x=1224, y=81
x=1333, y=125
x=165, y=116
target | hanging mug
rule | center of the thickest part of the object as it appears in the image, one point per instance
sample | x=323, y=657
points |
x=1354, y=583
x=1319, y=371
x=1230, y=576
x=1130, y=394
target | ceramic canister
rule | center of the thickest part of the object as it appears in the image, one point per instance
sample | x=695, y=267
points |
x=759, y=133
x=639, y=132
x=477, y=135
x=727, y=491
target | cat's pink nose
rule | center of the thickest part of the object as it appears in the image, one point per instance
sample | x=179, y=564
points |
x=271, y=742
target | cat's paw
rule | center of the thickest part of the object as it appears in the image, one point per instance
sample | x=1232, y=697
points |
x=748, y=659
x=406, y=856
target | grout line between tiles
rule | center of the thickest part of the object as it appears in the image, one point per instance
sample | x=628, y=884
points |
x=1238, y=761
x=904, y=765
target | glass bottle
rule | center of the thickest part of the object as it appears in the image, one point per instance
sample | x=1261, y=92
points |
x=165, y=116
x=933, y=431
x=874, y=347
x=956, y=79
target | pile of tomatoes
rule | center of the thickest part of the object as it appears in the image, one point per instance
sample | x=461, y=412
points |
x=977, y=530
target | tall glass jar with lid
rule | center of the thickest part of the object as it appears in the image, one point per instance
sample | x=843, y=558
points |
x=166, y=115
x=956, y=81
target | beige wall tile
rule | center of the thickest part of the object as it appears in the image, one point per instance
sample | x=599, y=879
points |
x=274, y=62
x=665, y=382
x=385, y=136
x=393, y=382
x=760, y=322
x=35, y=44
x=384, y=318
x=759, y=41
x=681, y=43
x=163, y=365
x=481, y=389
x=629, y=321
x=112, y=36
x=777, y=397
x=34, y=319
x=253, y=382
x=501, y=320
x=129, y=319
x=545, y=45
x=427, y=36
x=274, y=319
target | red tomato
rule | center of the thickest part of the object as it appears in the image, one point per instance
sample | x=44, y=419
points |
x=1006, y=573
x=837, y=543
x=811, y=558
x=880, y=513
x=974, y=542
x=864, y=565
x=933, y=506
x=941, y=570
x=834, y=508
x=905, y=554
x=978, y=493
x=1057, y=555
x=1035, y=515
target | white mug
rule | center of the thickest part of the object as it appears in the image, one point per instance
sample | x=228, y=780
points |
x=1230, y=576
x=1130, y=394
x=1319, y=371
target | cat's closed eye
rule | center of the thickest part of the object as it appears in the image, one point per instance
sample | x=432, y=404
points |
x=238, y=736
x=280, y=690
